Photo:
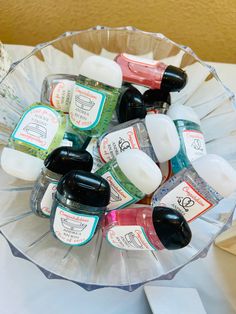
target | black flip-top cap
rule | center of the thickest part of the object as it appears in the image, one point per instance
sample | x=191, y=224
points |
x=64, y=159
x=171, y=227
x=174, y=79
x=85, y=188
x=130, y=104
x=153, y=97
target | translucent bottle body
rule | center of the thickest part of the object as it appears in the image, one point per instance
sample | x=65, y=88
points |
x=192, y=144
x=188, y=193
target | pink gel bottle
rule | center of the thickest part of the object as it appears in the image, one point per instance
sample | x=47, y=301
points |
x=146, y=228
x=151, y=73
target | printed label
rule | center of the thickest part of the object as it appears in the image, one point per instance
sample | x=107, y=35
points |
x=47, y=200
x=186, y=200
x=65, y=142
x=119, y=196
x=72, y=228
x=38, y=127
x=129, y=238
x=62, y=94
x=93, y=150
x=194, y=143
x=140, y=59
x=116, y=142
x=86, y=107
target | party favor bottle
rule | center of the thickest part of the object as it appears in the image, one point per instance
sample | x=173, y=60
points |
x=57, y=90
x=146, y=228
x=79, y=204
x=156, y=135
x=59, y=162
x=151, y=73
x=39, y=131
x=156, y=101
x=131, y=176
x=196, y=189
x=192, y=143
x=95, y=95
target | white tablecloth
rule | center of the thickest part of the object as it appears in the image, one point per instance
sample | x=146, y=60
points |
x=25, y=290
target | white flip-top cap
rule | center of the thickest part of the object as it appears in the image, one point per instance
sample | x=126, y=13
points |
x=181, y=112
x=102, y=70
x=163, y=136
x=140, y=169
x=217, y=172
x=20, y=165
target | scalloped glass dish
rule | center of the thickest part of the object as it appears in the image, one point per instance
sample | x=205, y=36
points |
x=98, y=264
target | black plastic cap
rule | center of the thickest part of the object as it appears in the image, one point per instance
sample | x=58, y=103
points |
x=130, y=104
x=156, y=98
x=174, y=79
x=171, y=227
x=64, y=159
x=85, y=188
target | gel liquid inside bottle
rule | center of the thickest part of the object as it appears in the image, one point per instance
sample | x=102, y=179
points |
x=196, y=189
x=147, y=228
x=57, y=90
x=95, y=95
x=156, y=101
x=39, y=131
x=156, y=135
x=79, y=204
x=151, y=73
x=131, y=176
x=59, y=162
x=192, y=143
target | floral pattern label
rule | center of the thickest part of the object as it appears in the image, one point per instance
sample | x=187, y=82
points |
x=119, y=196
x=86, y=107
x=72, y=228
x=129, y=238
x=62, y=94
x=194, y=144
x=38, y=127
x=189, y=202
x=47, y=200
x=116, y=142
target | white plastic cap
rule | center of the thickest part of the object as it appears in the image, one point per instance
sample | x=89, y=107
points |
x=163, y=136
x=102, y=70
x=181, y=112
x=20, y=165
x=217, y=172
x=140, y=169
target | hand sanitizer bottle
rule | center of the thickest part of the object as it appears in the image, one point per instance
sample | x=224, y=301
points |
x=57, y=90
x=39, y=131
x=156, y=135
x=156, y=101
x=79, y=204
x=131, y=176
x=192, y=143
x=59, y=162
x=146, y=228
x=95, y=95
x=196, y=189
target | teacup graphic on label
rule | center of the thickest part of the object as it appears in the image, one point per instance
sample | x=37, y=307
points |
x=115, y=197
x=84, y=102
x=196, y=144
x=185, y=202
x=123, y=144
x=70, y=225
x=36, y=130
x=133, y=240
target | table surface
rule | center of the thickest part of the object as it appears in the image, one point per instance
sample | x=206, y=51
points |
x=25, y=290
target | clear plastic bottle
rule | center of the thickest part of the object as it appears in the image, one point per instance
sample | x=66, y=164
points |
x=196, y=189
x=146, y=228
x=59, y=162
x=156, y=135
x=192, y=143
x=132, y=175
x=57, y=90
x=78, y=207
x=39, y=131
x=95, y=95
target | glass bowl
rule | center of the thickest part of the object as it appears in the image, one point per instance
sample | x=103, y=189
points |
x=98, y=264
